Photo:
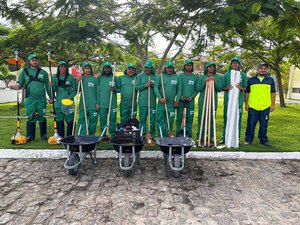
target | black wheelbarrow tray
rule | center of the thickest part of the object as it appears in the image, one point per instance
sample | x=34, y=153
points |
x=78, y=148
x=128, y=144
x=174, y=149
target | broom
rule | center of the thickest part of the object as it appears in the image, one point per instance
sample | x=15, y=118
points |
x=149, y=138
x=166, y=108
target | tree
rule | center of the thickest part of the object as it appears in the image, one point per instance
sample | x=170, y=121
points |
x=5, y=75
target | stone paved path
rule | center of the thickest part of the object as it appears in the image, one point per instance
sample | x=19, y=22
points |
x=228, y=192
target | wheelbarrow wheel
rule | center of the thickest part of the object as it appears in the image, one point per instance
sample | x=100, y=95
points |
x=126, y=163
x=73, y=160
x=177, y=164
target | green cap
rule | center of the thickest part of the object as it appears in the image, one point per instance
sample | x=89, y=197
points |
x=33, y=56
x=171, y=64
x=148, y=64
x=209, y=64
x=188, y=61
x=106, y=63
x=130, y=65
x=235, y=58
x=86, y=63
x=62, y=63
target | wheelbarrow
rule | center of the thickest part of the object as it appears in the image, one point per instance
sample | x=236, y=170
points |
x=174, y=149
x=128, y=144
x=78, y=147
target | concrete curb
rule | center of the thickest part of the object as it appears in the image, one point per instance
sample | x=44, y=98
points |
x=59, y=154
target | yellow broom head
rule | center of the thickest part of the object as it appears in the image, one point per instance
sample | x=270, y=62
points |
x=20, y=140
x=67, y=106
x=52, y=140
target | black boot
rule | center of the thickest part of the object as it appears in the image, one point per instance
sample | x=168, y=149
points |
x=30, y=131
x=69, y=128
x=60, y=128
x=43, y=130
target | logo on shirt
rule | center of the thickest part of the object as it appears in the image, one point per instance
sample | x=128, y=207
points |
x=91, y=84
x=41, y=76
x=191, y=113
x=172, y=114
x=191, y=82
x=174, y=82
x=67, y=83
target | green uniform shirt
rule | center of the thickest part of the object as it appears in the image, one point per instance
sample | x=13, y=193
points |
x=125, y=86
x=35, y=90
x=173, y=88
x=142, y=80
x=189, y=85
x=91, y=92
x=105, y=83
x=227, y=82
x=67, y=92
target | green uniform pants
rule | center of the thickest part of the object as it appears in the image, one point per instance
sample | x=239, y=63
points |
x=103, y=114
x=61, y=117
x=92, y=118
x=225, y=120
x=189, y=118
x=125, y=113
x=161, y=119
x=35, y=106
x=143, y=110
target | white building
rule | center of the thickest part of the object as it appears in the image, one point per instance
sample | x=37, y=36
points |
x=294, y=83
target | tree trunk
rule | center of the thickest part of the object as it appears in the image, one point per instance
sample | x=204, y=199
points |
x=280, y=87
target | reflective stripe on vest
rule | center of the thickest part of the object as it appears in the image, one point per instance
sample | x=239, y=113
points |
x=260, y=96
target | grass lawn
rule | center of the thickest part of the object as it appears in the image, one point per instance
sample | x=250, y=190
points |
x=283, y=131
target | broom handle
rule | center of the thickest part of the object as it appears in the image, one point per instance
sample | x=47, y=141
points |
x=166, y=108
x=76, y=108
x=149, y=106
x=214, y=113
x=202, y=116
x=133, y=97
x=84, y=108
x=209, y=113
x=110, y=99
x=206, y=115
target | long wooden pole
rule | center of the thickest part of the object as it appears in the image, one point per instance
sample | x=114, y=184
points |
x=149, y=133
x=209, y=114
x=166, y=108
x=84, y=108
x=206, y=114
x=110, y=98
x=214, y=113
x=202, y=116
x=76, y=108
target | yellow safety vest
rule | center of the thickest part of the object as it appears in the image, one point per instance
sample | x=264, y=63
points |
x=260, y=96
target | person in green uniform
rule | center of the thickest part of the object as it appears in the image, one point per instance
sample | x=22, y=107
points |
x=65, y=87
x=35, y=81
x=172, y=88
x=126, y=86
x=90, y=89
x=209, y=74
x=145, y=81
x=189, y=91
x=105, y=88
x=235, y=64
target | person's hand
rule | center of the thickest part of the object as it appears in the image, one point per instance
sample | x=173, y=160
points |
x=16, y=87
x=210, y=78
x=51, y=101
x=231, y=87
x=182, y=98
x=97, y=107
x=189, y=99
x=176, y=104
x=78, y=78
x=151, y=83
x=148, y=84
x=247, y=107
x=51, y=84
x=163, y=100
x=113, y=89
x=96, y=74
x=272, y=108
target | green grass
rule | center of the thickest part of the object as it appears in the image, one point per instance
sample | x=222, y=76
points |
x=283, y=131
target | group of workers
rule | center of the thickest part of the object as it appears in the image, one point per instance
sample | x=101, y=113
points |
x=159, y=97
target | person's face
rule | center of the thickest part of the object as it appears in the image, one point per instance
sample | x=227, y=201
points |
x=211, y=69
x=189, y=67
x=87, y=70
x=62, y=69
x=169, y=70
x=130, y=71
x=34, y=62
x=148, y=70
x=107, y=70
x=235, y=65
x=262, y=70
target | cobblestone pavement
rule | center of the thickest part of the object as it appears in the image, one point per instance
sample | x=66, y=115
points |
x=209, y=192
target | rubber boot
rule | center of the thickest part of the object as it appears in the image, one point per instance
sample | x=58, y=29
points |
x=60, y=128
x=69, y=128
x=30, y=131
x=43, y=130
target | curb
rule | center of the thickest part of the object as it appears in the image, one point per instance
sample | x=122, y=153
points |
x=59, y=154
